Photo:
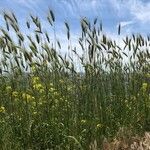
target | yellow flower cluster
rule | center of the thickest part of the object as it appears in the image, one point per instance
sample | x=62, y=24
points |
x=61, y=81
x=148, y=75
x=144, y=87
x=8, y=89
x=37, y=85
x=98, y=126
x=2, y=109
x=53, y=92
x=35, y=80
x=33, y=68
x=83, y=121
x=27, y=97
x=58, y=99
x=15, y=94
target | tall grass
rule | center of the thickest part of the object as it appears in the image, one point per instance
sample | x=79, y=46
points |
x=47, y=102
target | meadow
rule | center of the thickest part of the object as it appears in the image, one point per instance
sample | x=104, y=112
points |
x=50, y=100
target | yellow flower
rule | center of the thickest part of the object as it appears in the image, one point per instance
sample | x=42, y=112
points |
x=61, y=99
x=15, y=94
x=40, y=103
x=41, y=90
x=33, y=68
x=34, y=113
x=69, y=88
x=8, y=88
x=38, y=86
x=35, y=80
x=99, y=126
x=27, y=97
x=56, y=94
x=56, y=101
x=148, y=75
x=61, y=81
x=51, y=89
x=83, y=121
x=2, y=109
x=51, y=84
x=24, y=95
x=144, y=86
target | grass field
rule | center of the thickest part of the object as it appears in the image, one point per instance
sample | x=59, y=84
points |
x=53, y=101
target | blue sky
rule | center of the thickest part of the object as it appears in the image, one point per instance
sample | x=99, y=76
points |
x=133, y=15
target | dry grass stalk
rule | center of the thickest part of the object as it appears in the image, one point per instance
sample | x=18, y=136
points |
x=133, y=143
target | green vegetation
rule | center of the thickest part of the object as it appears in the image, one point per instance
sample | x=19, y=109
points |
x=54, y=101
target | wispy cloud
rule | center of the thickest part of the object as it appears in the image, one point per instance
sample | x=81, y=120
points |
x=79, y=8
x=110, y=12
x=30, y=4
x=141, y=11
x=126, y=23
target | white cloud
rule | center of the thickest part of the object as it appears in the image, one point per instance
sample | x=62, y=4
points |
x=79, y=8
x=126, y=23
x=139, y=10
